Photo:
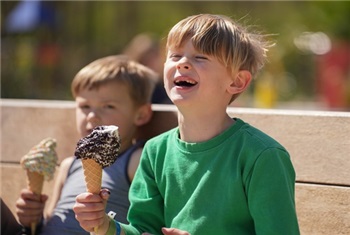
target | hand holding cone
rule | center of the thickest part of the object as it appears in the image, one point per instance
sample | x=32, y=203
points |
x=97, y=151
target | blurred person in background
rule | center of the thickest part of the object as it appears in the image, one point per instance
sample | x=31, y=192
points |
x=146, y=49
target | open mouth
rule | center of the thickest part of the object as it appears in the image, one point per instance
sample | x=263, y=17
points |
x=185, y=83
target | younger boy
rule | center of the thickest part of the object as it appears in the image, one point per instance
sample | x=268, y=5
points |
x=109, y=91
x=213, y=174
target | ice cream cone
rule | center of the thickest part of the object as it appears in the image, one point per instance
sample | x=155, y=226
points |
x=97, y=150
x=40, y=163
x=93, y=175
x=35, y=182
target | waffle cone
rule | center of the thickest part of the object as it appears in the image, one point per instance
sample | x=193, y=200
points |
x=93, y=175
x=35, y=182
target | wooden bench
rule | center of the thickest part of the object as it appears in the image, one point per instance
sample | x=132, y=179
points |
x=318, y=142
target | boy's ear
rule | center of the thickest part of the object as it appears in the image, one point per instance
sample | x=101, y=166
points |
x=143, y=115
x=240, y=82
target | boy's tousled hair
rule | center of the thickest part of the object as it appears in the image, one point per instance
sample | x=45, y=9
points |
x=139, y=79
x=221, y=37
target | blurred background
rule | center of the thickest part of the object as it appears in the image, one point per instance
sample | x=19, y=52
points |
x=45, y=43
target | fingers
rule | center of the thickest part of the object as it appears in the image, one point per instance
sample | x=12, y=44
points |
x=89, y=220
x=30, y=207
x=90, y=211
x=29, y=195
x=171, y=231
x=174, y=231
x=105, y=193
x=88, y=197
x=44, y=198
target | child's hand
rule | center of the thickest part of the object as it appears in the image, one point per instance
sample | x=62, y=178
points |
x=171, y=231
x=30, y=207
x=90, y=211
x=174, y=231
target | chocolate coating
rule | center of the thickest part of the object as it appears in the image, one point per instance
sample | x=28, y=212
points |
x=102, y=145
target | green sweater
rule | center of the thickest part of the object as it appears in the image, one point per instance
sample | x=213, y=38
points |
x=239, y=182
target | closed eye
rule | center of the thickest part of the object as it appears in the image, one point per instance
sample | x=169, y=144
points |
x=175, y=57
x=202, y=57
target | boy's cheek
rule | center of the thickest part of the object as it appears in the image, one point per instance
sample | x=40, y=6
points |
x=168, y=72
x=81, y=124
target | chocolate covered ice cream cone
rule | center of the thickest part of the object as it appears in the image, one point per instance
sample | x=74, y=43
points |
x=98, y=150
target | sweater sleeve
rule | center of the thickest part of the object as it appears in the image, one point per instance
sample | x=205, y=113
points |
x=146, y=213
x=270, y=191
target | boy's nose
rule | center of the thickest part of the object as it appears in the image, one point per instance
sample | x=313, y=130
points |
x=183, y=65
x=92, y=115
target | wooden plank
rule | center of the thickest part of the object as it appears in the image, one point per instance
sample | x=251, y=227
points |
x=318, y=142
x=57, y=120
x=323, y=210
x=26, y=123
x=13, y=180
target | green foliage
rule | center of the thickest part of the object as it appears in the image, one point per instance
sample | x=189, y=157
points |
x=92, y=29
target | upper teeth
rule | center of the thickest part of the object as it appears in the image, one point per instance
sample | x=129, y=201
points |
x=187, y=81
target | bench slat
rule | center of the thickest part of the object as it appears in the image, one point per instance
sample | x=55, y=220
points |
x=318, y=142
x=323, y=210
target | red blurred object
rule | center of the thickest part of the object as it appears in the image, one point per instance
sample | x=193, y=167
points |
x=333, y=71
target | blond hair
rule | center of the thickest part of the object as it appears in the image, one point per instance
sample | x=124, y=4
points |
x=139, y=79
x=221, y=37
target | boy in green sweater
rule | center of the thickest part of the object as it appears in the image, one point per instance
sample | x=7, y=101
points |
x=213, y=174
